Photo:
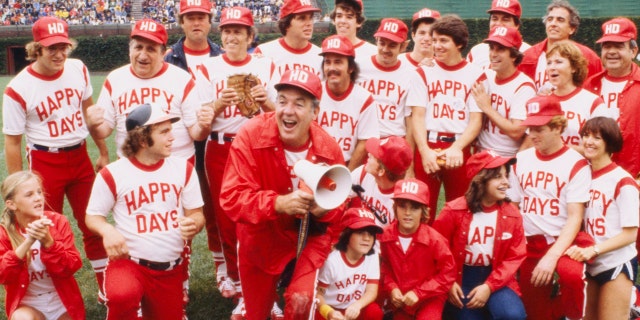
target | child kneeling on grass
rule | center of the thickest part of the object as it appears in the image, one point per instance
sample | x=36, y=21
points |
x=348, y=280
x=417, y=267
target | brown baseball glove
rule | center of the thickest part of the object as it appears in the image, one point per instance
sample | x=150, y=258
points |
x=242, y=84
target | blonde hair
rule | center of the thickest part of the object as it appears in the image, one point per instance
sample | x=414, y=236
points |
x=34, y=49
x=8, y=189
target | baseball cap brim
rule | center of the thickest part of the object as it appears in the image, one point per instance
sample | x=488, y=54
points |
x=409, y=196
x=500, y=161
x=305, y=10
x=335, y=51
x=534, y=121
x=54, y=40
x=501, y=10
x=373, y=146
x=195, y=9
x=613, y=38
x=501, y=41
x=295, y=85
x=365, y=224
x=237, y=22
x=389, y=36
x=146, y=35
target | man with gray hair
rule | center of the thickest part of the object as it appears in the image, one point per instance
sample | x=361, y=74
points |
x=561, y=22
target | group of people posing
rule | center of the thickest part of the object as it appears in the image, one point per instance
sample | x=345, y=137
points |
x=535, y=148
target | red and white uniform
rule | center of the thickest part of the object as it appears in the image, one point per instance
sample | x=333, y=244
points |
x=406, y=60
x=349, y=117
x=611, y=88
x=614, y=205
x=459, y=226
x=146, y=201
x=287, y=58
x=266, y=239
x=60, y=262
x=195, y=58
x=508, y=97
x=47, y=110
x=213, y=75
x=479, y=54
x=364, y=50
x=172, y=89
x=544, y=185
x=389, y=87
x=426, y=267
x=577, y=108
x=534, y=62
x=345, y=282
x=382, y=200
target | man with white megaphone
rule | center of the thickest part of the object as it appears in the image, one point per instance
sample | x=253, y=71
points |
x=260, y=193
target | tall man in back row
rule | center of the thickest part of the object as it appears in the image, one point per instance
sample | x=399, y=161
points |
x=260, y=192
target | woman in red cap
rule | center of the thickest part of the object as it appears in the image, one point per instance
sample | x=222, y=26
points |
x=485, y=232
x=348, y=280
x=417, y=267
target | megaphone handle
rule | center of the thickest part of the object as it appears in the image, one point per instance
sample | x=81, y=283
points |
x=302, y=234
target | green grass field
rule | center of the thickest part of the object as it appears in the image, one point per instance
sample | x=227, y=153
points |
x=206, y=302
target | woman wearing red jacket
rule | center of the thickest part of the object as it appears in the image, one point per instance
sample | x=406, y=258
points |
x=37, y=255
x=486, y=238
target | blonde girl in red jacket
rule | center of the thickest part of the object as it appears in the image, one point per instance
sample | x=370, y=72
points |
x=486, y=237
x=37, y=255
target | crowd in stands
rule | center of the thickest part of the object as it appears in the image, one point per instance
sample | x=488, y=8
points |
x=96, y=12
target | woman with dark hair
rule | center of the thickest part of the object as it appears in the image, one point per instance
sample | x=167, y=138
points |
x=611, y=218
x=348, y=280
x=486, y=236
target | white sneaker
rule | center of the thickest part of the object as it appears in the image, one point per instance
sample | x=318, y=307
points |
x=238, y=313
x=227, y=288
x=276, y=312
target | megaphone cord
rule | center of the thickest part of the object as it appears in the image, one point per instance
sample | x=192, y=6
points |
x=358, y=189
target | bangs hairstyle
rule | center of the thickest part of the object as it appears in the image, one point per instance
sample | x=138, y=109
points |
x=425, y=208
x=578, y=62
x=478, y=188
x=349, y=7
x=451, y=25
x=34, y=49
x=345, y=237
x=608, y=129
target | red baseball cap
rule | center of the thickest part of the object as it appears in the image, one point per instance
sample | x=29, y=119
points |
x=511, y=7
x=425, y=13
x=187, y=6
x=394, y=153
x=145, y=115
x=296, y=6
x=487, y=159
x=392, y=29
x=303, y=79
x=412, y=189
x=49, y=31
x=507, y=36
x=338, y=44
x=618, y=30
x=541, y=109
x=357, y=3
x=358, y=218
x=236, y=15
x=150, y=30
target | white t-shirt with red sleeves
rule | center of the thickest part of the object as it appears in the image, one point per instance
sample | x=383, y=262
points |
x=48, y=109
x=408, y=61
x=509, y=98
x=287, y=58
x=545, y=184
x=479, y=54
x=212, y=76
x=541, y=77
x=577, y=108
x=388, y=86
x=610, y=92
x=379, y=199
x=481, y=238
x=445, y=92
x=348, y=118
x=613, y=206
x=172, y=89
x=146, y=202
x=364, y=50
x=345, y=282
x=195, y=58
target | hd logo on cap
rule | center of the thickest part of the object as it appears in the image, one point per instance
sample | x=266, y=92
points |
x=148, y=26
x=390, y=26
x=425, y=13
x=366, y=214
x=612, y=28
x=500, y=31
x=333, y=43
x=410, y=187
x=533, y=107
x=299, y=75
x=502, y=3
x=194, y=2
x=55, y=28
x=233, y=14
x=305, y=2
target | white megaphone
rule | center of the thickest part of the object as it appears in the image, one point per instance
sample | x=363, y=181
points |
x=330, y=185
